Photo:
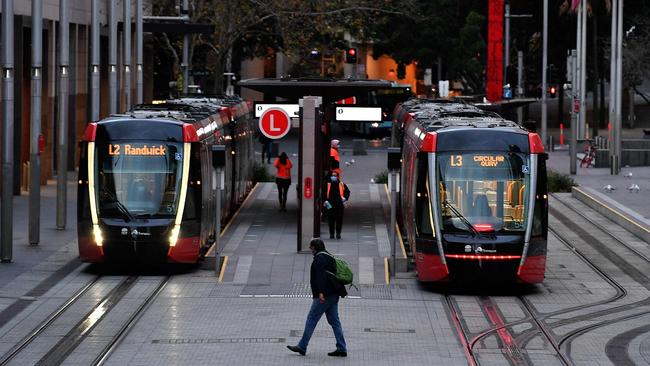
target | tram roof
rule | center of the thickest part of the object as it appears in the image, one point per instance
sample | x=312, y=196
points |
x=436, y=114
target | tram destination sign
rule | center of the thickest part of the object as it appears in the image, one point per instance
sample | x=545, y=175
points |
x=133, y=150
x=482, y=160
x=358, y=114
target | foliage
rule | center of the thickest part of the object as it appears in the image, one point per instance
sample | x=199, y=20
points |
x=260, y=174
x=558, y=182
x=382, y=177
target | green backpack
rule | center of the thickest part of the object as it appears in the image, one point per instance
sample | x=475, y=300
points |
x=343, y=271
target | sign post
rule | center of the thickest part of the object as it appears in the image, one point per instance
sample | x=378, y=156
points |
x=394, y=164
x=309, y=171
x=218, y=162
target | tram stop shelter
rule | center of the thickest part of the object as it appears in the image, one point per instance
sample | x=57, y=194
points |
x=315, y=98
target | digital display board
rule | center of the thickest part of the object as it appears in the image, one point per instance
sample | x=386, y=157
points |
x=482, y=160
x=136, y=150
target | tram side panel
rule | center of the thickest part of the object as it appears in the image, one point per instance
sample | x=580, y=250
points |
x=534, y=266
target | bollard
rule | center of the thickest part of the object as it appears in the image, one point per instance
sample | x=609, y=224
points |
x=561, y=134
x=551, y=144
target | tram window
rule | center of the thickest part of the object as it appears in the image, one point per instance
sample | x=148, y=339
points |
x=423, y=216
x=147, y=184
x=488, y=188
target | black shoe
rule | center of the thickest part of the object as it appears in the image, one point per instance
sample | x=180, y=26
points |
x=331, y=236
x=338, y=353
x=338, y=237
x=299, y=350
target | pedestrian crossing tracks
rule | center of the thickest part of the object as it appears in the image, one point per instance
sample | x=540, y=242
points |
x=260, y=248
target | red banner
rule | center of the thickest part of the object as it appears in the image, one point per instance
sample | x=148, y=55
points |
x=495, y=51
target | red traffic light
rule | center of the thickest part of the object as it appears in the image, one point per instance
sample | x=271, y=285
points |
x=351, y=56
x=552, y=91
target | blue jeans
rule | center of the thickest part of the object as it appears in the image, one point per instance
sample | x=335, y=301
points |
x=331, y=310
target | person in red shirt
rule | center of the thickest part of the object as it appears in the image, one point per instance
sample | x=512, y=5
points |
x=283, y=178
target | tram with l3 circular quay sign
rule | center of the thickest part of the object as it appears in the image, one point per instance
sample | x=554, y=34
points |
x=146, y=189
x=473, y=201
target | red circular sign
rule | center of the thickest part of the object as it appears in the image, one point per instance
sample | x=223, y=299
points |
x=275, y=123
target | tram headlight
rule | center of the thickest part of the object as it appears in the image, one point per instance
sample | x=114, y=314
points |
x=375, y=125
x=97, y=232
x=173, y=237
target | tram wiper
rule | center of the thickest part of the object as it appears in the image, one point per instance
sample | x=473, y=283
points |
x=120, y=206
x=463, y=219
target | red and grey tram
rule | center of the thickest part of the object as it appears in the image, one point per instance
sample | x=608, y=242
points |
x=474, y=194
x=145, y=187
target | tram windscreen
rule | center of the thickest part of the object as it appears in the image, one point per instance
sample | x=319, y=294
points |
x=485, y=189
x=139, y=178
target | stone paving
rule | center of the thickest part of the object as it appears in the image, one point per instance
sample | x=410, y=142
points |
x=261, y=303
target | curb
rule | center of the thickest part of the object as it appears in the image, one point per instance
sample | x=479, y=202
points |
x=621, y=215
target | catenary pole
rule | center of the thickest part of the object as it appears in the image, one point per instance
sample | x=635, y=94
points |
x=186, y=53
x=62, y=123
x=138, y=53
x=613, y=158
x=6, y=222
x=619, y=83
x=583, y=70
x=112, y=57
x=127, y=55
x=506, y=42
x=35, y=124
x=544, y=80
x=94, y=61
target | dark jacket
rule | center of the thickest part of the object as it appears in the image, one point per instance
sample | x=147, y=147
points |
x=321, y=280
x=335, y=193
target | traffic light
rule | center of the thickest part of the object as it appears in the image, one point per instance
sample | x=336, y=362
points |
x=552, y=91
x=351, y=55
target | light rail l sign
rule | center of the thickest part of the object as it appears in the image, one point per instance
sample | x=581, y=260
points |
x=290, y=109
x=358, y=114
x=275, y=123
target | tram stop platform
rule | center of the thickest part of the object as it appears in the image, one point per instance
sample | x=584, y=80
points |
x=259, y=245
x=623, y=198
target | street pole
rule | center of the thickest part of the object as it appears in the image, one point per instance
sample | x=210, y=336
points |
x=35, y=128
x=112, y=57
x=6, y=224
x=574, y=112
x=520, y=84
x=217, y=235
x=185, y=65
x=62, y=148
x=619, y=84
x=613, y=157
x=506, y=43
x=393, y=218
x=544, y=85
x=127, y=55
x=94, y=61
x=583, y=71
x=576, y=79
x=139, y=59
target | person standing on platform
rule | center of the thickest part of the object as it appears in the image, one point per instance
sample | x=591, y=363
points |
x=283, y=178
x=326, y=291
x=335, y=160
x=266, y=148
x=336, y=194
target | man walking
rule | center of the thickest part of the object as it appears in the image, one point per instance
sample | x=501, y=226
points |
x=326, y=291
x=335, y=195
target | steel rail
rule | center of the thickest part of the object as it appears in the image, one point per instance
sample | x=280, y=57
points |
x=46, y=323
x=130, y=323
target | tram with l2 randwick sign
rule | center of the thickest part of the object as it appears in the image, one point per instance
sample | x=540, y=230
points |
x=473, y=200
x=146, y=189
